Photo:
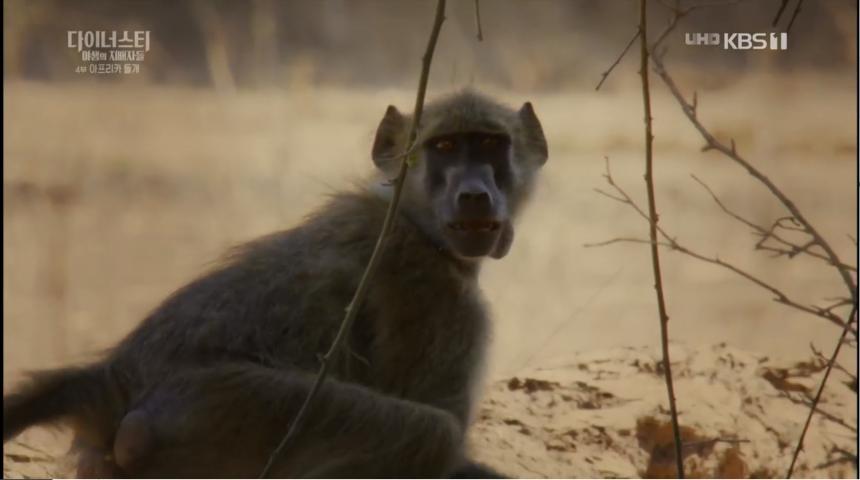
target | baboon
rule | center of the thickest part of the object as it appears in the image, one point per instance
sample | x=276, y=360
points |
x=208, y=383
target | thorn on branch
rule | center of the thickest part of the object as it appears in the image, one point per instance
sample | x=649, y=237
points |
x=605, y=74
x=609, y=195
x=653, y=232
x=480, y=33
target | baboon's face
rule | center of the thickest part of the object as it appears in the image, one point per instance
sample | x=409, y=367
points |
x=468, y=176
x=476, y=163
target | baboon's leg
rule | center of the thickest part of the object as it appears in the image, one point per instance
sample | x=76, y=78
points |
x=93, y=461
x=225, y=421
x=474, y=470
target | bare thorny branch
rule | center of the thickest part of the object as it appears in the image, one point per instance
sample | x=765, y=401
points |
x=780, y=246
x=806, y=400
x=852, y=377
x=782, y=5
x=605, y=74
x=479, y=31
x=814, y=406
x=672, y=243
x=844, y=456
x=796, y=221
x=367, y=276
x=711, y=143
x=652, y=221
x=730, y=152
x=678, y=13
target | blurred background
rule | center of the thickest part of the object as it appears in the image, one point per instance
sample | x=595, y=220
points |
x=121, y=187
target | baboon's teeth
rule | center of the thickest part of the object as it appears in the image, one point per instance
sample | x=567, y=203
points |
x=475, y=226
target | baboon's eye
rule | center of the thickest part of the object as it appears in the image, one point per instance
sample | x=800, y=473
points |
x=444, y=145
x=490, y=142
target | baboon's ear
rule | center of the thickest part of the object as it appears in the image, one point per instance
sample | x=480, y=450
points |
x=387, y=145
x=534, y=140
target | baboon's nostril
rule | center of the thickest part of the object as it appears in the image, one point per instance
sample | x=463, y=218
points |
x=473, y=198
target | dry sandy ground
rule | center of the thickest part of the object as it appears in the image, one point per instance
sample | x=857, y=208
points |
x=115, y=196
x=602, y=415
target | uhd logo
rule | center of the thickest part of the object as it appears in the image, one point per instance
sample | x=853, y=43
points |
x=740, y=41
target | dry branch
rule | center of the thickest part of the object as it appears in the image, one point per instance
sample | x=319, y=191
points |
x=852, y=377
x=652, y=222
x=784, y=246
x=678, y=13
x=814, y=406
x=480, y=31
x=672, y=243
x=370, y=270
x=794, y=15
x=797, y=218
x=605, y=75
x=711, y=143
x=796, y=221
x=782, y=5
x=806, y=401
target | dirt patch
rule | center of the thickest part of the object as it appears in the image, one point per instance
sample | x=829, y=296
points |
x=608, y=418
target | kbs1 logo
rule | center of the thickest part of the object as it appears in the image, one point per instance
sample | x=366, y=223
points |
x=740, y=41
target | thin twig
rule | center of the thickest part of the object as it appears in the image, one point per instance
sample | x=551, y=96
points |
x=605, y=74
x=841, y=303
x=725, y=209
x=711, y=143
x=788, y=248
x=480, y=33
x=846, y=325
x=554, y=334
x=370, y=270
x=817, y=398
x=673, y=244
x=818, y=354
x=846, y=457
x=794, y=15
x=653, y=219
x=806, y=401
x=678, y=13
x=782, y=5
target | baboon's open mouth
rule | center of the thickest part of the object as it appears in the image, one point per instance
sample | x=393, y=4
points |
x=475, y=226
